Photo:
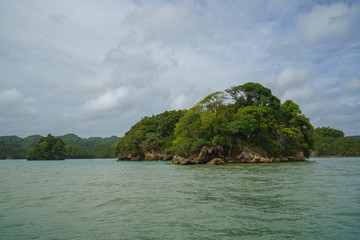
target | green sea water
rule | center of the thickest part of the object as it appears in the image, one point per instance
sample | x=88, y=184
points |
x=105, y=199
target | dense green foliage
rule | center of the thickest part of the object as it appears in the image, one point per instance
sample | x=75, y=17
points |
x=13, y=147
x=247, y=115
x=331, y=142
x=150, y=134
x=254, y=118
x=358, y=137
x=11, y=150
x=93, y=147
x=47, y=148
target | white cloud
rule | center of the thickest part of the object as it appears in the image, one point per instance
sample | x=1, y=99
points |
x=292, y=84
x=108, y=101
x=14, y=105
x=173, y=22
x=135, y=58
x=179, y=102
x=291, y=77
x=132, y=69
x=9, y=97
x=336, y=21
x=352, y=86
x=93, y=83
x=57, y=18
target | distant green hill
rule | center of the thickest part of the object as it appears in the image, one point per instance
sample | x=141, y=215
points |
x=14, y=147
x=357, y=136
x=93, y=147
x=332, y=142
x=10, y=139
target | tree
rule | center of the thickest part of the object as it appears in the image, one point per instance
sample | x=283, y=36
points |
x=250, y=120
x=331, y=142
x=255, y=119
x=253, y=94
x=150, y=134
x=47, y=148
x=345, y=146
x=10, y=150
x=213, y=101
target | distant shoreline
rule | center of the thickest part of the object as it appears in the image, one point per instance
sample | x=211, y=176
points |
x=334, y=156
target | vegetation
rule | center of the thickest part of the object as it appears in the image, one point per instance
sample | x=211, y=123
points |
x=11, y=150
x=13, y=147
x=331, y=142
x=246, y=115
x=358, y=137
x=93, y=147
x=48, y=148
x=150, y=134
x=253, y=117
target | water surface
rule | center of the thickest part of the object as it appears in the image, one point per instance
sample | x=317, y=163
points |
x=105, y=199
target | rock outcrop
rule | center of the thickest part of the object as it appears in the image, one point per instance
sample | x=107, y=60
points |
x=218, y=156
x=217, y=161
x=146, y=157
x=215, y=155
x=178, y=160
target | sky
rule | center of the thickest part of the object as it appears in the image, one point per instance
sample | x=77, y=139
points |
x=95, y=67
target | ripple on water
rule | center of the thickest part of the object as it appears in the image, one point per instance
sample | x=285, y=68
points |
x=104, y=199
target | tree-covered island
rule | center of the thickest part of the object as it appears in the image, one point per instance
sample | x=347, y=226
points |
x=47, y=148
x=329, y=142
x=14, y=147
x=245, y=123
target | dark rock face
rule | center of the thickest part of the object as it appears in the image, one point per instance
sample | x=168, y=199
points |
x=208, y=153
x=146, y=157
x=216, y=155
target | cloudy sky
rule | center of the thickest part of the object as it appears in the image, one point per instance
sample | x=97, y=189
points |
x=95, y=67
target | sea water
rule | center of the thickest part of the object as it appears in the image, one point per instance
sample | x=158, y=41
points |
x=105, y=199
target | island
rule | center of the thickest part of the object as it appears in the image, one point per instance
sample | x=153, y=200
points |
x=47, y=148
x=243, y=124
x=14, y=147
x=330, y=142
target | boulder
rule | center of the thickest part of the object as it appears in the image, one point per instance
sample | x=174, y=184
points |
x=208, y=153
x=157, y=157
x=131, y=157
x=217, y=161
x=177, y=160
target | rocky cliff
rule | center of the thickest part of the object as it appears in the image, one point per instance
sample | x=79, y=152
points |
x=216, y=155
x=150, y=156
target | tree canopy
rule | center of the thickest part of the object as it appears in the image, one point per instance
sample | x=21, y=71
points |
x=13, y=147
x=47, y=148
x=150, y=134
x=254, y=117
x=247, y=115
x=331, y=142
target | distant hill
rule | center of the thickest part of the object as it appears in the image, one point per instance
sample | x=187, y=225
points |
x=357, y=136
x=332, y=142
x=14, y=147
x=10, y=139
